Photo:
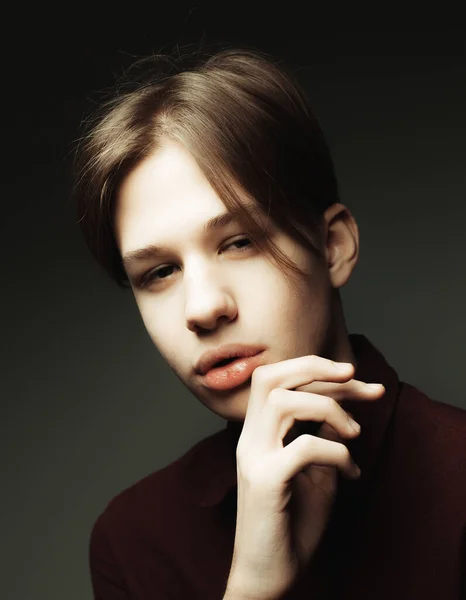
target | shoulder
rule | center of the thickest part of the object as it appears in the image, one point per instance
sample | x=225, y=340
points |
x=142, y=531
x=415, y=404
x=169, y=491
x=435, y=429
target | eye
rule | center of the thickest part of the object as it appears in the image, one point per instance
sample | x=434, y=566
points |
x=156, y=274
x=239, y=241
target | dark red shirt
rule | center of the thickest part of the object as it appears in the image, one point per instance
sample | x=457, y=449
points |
x=399, y=532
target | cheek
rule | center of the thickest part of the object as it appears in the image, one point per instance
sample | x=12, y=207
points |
x=158, y=328
x=165, y=329
x=306, y=304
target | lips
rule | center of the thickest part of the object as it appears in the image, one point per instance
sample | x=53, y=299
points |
x=232, y=375
x=211, y=358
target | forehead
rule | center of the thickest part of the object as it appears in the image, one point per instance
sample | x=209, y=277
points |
x=166, y=195
x=167, y=188
x=168, y=177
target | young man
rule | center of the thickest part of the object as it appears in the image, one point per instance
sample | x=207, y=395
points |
x=211, y=194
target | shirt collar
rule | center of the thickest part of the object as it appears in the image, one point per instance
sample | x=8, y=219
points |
x=213, y=472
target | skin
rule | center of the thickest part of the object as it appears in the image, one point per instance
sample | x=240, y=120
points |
x=215, y=294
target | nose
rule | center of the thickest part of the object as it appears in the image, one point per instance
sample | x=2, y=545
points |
x=207, y=302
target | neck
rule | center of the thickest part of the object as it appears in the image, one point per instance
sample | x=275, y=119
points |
x=338, y=345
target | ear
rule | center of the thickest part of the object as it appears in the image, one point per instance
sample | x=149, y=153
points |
x=341, y=238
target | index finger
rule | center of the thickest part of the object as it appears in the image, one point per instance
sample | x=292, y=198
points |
x=295, y=372
x=339, y=391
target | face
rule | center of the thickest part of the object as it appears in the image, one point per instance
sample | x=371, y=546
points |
x=206, y=290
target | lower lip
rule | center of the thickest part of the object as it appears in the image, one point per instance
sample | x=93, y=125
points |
x=233, y=374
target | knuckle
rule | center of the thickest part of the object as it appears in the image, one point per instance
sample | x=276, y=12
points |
x=344, y=452
x=259, y=374
x=306, y=443
x=274, y=398
x=320, y=360
x=330, y=404
x=339, y=412
x=345, y=417
x=331, y=407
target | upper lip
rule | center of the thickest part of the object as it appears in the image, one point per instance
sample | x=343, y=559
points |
x=210, y=357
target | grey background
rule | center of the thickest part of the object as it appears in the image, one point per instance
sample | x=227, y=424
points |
x=90, y=405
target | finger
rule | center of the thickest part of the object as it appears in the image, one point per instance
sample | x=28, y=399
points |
x=308, y=449
x=327, y=432
x=294, y=372
x=284, y=407
x=352, y=389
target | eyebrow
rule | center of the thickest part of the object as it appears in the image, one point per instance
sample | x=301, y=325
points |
x=152, y=250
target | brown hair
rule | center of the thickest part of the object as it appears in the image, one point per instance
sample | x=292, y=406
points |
x=247, y=124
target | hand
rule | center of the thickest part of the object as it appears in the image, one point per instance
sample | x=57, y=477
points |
x=285, y=493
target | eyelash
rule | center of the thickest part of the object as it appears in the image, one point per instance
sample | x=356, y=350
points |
x=150, y=277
